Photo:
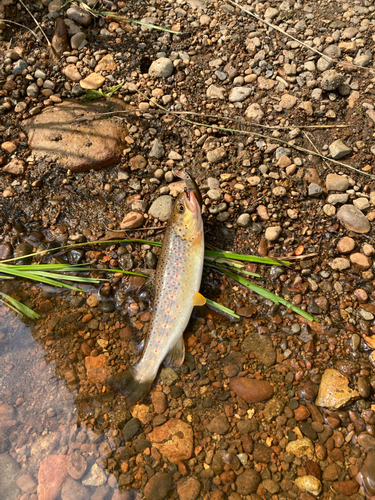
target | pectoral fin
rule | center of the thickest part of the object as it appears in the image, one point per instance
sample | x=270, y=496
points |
x=197, y=239
x=176, y=355
x=198, y=299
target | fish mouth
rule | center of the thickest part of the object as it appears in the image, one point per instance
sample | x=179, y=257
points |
x=191, y=201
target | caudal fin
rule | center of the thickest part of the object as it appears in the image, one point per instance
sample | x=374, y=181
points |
x=130, y=387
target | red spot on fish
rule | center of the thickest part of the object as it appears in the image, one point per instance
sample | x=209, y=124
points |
x=183, y=270
x=184, y=260
x=177, y=264
x=174, y=282
x=165, y=326
x=158, y=341
x=168, y=312
x=188, y=255
x=183, y=291
x=165, y=302
x=179, y=254
x=177, y=307
x=156, y=350
x=175, y=317
x=172, y=296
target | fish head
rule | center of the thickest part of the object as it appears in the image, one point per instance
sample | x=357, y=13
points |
x=190, y=184
x=186, y=215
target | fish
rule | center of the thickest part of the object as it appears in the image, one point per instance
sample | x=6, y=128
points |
x=177, y=283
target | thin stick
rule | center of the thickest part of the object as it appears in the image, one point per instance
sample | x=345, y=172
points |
x=300, y=257
x=327, y=58
x=217, y=117
x=263, y=136
x=36, y=22
x=316, y=149
x=22, y=26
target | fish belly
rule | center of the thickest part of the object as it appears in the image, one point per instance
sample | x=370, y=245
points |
x=178, y=281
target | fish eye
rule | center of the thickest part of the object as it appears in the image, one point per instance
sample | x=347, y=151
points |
x=180, y=208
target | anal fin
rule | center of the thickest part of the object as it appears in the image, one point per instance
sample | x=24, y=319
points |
x=176, y=355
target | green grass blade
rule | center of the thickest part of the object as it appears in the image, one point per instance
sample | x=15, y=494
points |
x=42, y=279
x=221, y=308
x=246, y=258
x=266, y=293
x=17, y=307
x=230, y=263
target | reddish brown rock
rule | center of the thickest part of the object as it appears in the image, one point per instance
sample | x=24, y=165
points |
x=89, y=144
x=189, y=490
x=132, y=220
x=159, y=400
x=137, y=162
x=52, y=473
x=97, y=368
x=251, y=390
x=174, y=440
x=60, y=41
x=106, y=63
x=76, y=465
x=15, y=167
x=301, y=413
x=345, y=245
x=347, y=488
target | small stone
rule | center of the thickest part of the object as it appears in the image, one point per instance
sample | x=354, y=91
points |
x=216, y=155
x=157, y=149
x=32, y=91
x=106, y=63
x=9, y=147
x=131, y=429
x=174, y=440
x=329, y=210
x=239, y=94
x=72, y=73
x=78, y=41
x=315, y=190
x=189, y=490
x=271, y=13
x=79, y=16
x=272, y=233
x=360, y=261
x=132, y=220
x=27, y=484
x=345, y=245
x=254, y=112
x=158, y=487
x=219, y=425
x=265, y=83
x=301, y=447
x=8, y=192
x=334, y=390
x=92, y=82
x=368, y=473
x=331, y=80
x=15, y=167
x=336, y=182
x=19, y=67
x=244, y=220
x=76, y=465
x=52, y=474
x=361, y=203
x=96, y=367
x=366, y=441
x=251, y=390
x=362, y=60
x=248, y=482
x=338, y=150
x=95, y=477
x=161, y=68
x=279, y=191
x=215, y=93
x=161, y=208
x=347, y=488
x=337, y=198
x=74, y=490
x=310, y=484
x=60, y=42
x=288, y=101
x=353, y=219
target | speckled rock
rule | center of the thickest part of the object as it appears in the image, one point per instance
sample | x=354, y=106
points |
x=174, y=440
x=353, y=219
x=158, y=487
x=189, y=490
x=161, y=208
x=301, y=447
x=52, y=474
x=219, y=425
x=161, y=68
x=336, y=182
x=248, y=482
x=310, y=484
x=334, y=391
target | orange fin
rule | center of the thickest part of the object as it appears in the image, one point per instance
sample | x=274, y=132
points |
x=198, y=299
x=198, y=239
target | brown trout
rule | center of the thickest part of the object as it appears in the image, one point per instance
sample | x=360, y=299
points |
x=177, y=283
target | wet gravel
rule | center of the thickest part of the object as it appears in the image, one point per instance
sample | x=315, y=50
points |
x=272, y=406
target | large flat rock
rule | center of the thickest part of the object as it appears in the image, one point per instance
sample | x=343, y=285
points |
x=60, y=134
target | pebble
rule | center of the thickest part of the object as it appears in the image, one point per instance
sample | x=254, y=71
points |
x=315, y=190
x=216, y=155
x=288, y=101
x=53, y=466
x=301, y=447
x=95, y=477
x=361, y=203
x=132, y=220
x=189, y=490
x=15, y=167
x=161, y=68
x=368, y=473
x=310, y=484
x=78, y=41
x=79, y=16
x=174, y=440
x=92, y=82
x=337, y=198
x=334, y=391
x=248, y=482
x=244, y=220
x=158, y=486
x=353, y=219
x=219, y=425
x=161, y=208
x=254, y=112
x=74, y=490
x=251, y=390
x=9, y=147
x=157, y=149
x=339, y=150
x=336, y=182
x=239, y=94
x=215, y=93
x=360, y=261
x=19, y=67
x=331, y=80
x=72, y=73
x=345, y=245
x=272, y=233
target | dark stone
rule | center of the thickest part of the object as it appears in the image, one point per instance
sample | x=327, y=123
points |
x=158, y=487
x=6, y=251
x=219, y=425
x=262, y=453
x=248, y=482
x=308, y=431
x=261, y=346
x=131, y=428
x=368, y=473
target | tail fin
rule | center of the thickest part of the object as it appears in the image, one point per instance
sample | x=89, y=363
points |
x=130, y=387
